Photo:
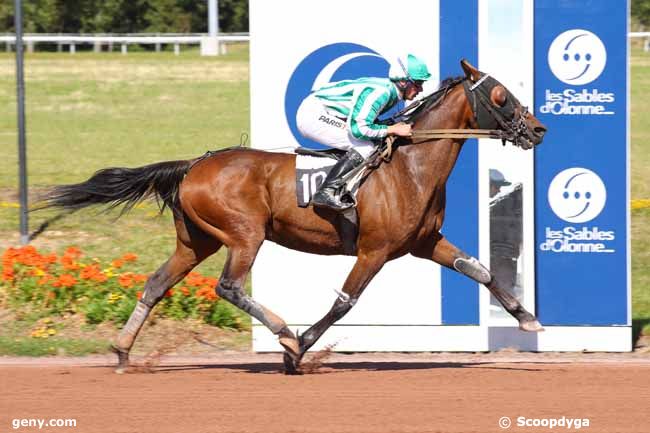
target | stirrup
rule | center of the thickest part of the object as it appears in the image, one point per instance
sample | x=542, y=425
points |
x=327, y=200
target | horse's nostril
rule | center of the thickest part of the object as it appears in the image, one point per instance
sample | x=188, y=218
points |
x=539, y=130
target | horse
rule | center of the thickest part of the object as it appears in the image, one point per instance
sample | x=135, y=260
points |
x=240, y=197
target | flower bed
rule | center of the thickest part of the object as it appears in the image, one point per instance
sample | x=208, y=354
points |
x=73, y=284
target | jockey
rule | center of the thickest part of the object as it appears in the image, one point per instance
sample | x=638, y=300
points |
x=344, y=115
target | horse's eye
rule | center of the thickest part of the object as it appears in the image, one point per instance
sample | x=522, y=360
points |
x=499, y=96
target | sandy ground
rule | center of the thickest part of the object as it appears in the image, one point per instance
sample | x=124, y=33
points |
x=244, y=392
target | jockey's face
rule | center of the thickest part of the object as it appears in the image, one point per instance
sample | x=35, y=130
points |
x=412, y=89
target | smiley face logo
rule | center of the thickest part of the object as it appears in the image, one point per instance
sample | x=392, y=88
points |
x=577, y=195
x=577, y=57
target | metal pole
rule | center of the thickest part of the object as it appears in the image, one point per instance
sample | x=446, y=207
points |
x=22, y=149
x=213, y=17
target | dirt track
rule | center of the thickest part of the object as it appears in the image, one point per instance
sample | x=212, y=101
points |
x=360, y=393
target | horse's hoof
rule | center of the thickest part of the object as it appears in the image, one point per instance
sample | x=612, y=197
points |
x=122, y=360
x=531, y=326
x=291, y=365
x=291, y=345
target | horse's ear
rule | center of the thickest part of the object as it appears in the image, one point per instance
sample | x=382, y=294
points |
x=470, y=71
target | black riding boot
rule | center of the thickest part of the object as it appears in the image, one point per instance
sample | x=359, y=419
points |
x=327, y=194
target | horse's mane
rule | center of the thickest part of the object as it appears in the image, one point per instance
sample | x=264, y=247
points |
x=412, y=112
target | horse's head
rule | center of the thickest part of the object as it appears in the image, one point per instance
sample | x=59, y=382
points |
x=495, y=107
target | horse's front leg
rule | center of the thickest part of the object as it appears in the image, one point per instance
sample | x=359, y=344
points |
x=443, y=252
x=365, y=268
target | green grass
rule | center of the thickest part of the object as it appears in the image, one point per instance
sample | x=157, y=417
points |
x=27, y=346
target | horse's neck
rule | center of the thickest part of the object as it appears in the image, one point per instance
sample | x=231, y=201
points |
x=430, y=162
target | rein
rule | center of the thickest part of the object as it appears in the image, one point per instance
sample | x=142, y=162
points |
x=459, y=133
x=415, y=110
x=411, y=113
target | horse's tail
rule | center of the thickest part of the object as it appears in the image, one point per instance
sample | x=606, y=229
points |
x=119, y=186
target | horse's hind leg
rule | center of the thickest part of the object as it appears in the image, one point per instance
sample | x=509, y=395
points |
x=441, y=251
x=188, y=254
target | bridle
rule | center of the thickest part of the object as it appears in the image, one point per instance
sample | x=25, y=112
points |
x=510, y=120
x=511, y=123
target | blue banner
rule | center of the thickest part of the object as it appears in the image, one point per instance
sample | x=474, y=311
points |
x=459, y=39
x=581, y=54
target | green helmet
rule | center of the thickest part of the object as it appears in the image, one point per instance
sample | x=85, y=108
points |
x=409, y=67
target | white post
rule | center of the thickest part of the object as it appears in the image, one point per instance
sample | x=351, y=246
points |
x=213, y=17
x=177, y=49
x=124, y=49
x=210, y=44
x=73, y=48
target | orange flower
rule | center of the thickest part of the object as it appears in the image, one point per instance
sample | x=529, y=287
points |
x=194, y=279
x=51, y=294
x=88, y=272
x=169, y=293
x=65, y=280
x=72, y=252
x=126, y=280
x=99, y=277
x=140, y=278
x=69, y=264
x=129, y=257
x=197, y=280
x=206, y=292
x=117, y=263
x=45, y=279
x=138, y=294
x=8, y=274
x=50, y=258
x=184, y=290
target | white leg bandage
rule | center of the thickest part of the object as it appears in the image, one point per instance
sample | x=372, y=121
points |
x=473, y=269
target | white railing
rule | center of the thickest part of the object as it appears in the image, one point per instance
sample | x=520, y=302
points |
x=110, y=40
x=646, y=35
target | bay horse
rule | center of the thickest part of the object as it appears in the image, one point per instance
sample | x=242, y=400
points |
x=240, y=197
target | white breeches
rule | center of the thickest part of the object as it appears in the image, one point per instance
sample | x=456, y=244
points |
x=315, y=123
